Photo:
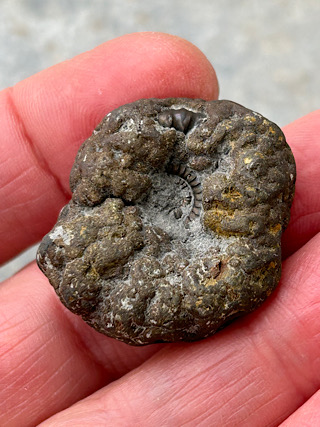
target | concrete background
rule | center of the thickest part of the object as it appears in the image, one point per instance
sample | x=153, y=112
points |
x=266, y=53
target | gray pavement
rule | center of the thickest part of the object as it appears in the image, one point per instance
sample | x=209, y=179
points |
x=266, y=53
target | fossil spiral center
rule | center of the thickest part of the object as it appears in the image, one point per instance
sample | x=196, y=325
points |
x=172, y=203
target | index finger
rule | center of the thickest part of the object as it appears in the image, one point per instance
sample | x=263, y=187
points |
x=44, y=120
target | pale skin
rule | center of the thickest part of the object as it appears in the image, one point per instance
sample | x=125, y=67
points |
x=261, y=371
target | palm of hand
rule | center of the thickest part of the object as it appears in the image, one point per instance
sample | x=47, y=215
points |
x=258, y=371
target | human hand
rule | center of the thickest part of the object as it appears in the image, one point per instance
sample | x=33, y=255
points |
x=257, y=372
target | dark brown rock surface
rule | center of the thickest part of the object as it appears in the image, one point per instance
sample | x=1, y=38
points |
x=175, y=221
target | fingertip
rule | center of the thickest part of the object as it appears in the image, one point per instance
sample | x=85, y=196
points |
x=303, y=138
x=169, y=66
x=303, y=135
x=184, y=70
x=66, y=101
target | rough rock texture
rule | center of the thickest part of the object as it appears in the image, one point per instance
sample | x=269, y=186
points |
x=175, y=221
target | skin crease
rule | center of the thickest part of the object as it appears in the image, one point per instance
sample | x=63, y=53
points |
x=261, y=370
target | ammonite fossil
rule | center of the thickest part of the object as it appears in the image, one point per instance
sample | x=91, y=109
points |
x=175, y=221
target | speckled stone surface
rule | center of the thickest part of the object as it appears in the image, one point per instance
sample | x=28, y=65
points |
x=175, y=221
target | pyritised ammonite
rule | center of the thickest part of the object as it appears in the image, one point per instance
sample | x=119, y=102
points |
x=175, y=220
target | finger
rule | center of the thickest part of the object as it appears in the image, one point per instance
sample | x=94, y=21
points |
x=303, y=136
x=49, y=358
x=256, y=372
x=308, y=415
x=45, y=118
